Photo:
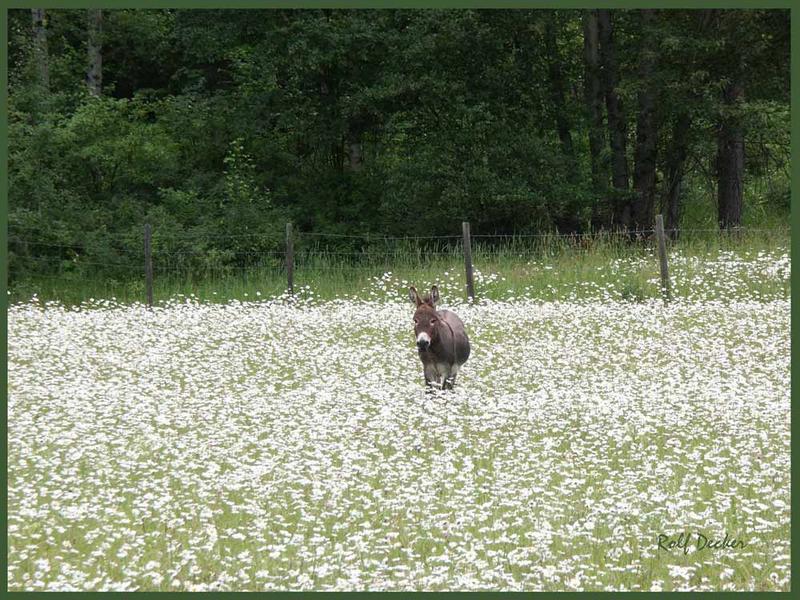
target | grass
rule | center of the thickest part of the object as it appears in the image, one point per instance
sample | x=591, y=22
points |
x=547, y=268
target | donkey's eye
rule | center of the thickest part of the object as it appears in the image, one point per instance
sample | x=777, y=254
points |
x=415, y=321
x=433, y=321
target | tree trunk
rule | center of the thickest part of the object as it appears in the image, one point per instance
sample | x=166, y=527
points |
x=676, y=159
x=94, y=74
x=355, y=156
x=354, y=148
x=40, y=52
x=730, y=161
x=593, y=95
x=557, y=91
x=617, y=127
x=644, y=170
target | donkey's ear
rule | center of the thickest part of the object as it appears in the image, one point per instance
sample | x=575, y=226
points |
x=414, y=296
x=435, y=295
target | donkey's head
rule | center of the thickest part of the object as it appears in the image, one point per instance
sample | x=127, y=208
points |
x=425, y=317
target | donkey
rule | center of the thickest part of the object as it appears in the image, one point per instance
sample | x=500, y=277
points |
x=441, y=339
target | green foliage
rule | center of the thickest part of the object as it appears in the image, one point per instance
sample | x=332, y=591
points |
x=217, y=126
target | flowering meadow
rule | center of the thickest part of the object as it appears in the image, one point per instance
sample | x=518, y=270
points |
x=280, y=444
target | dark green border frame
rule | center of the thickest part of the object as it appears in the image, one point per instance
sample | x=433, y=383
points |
x=667, y=4
x=498, y=4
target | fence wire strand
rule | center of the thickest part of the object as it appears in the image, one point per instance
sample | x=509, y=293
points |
x=372, y=237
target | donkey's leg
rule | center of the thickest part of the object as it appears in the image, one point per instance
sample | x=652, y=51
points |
x=447, y=381
x=451, y=380
x=430, y=377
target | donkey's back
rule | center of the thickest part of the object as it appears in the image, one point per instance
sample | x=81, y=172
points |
x=460, y=339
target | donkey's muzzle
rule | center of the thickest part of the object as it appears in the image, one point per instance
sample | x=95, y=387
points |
x=423, y=345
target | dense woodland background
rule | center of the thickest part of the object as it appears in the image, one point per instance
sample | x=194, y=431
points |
x=211, y=124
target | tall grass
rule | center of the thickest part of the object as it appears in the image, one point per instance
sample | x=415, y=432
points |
x=548, y=267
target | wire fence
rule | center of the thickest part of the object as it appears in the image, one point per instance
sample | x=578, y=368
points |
x=119, y=259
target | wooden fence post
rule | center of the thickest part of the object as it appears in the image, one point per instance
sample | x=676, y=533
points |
x=662, y=256
x=148, y=265
x=289, y=259
x=468, y=261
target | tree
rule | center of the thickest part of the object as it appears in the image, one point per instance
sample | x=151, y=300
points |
x=593, y=96
x=557, y=85
x=39, y=17
x=674, y=171
x=617, y=123
x=730, y=158
x=644, y=174
x=745, y=57
x=94, y=72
